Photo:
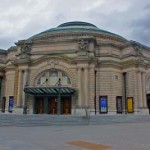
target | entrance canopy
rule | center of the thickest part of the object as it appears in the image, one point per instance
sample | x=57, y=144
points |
x=48, y=90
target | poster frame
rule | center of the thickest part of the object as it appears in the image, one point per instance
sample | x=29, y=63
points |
x=11, y=104
x=119, y=111
x=128, y=105
x=100, y=101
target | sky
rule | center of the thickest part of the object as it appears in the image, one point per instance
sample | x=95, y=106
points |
x=21, y=19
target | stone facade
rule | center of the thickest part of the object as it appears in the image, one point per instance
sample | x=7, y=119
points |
x=84, y=54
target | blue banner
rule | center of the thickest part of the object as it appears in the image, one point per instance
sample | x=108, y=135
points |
x=11, y=103
x=103, y=104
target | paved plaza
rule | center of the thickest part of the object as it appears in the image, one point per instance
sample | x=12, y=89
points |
x=129, y=136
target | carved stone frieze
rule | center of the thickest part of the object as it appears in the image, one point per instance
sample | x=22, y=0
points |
x=83, y=44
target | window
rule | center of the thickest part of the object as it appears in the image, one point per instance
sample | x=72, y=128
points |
x=51, y=77
x=53, y=73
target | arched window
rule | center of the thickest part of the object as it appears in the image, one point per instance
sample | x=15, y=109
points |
x=51, y=78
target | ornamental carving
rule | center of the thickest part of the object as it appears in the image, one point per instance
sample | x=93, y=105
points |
x=53, y=62
x=83, y=44
x=25, y=50
x=139, y=54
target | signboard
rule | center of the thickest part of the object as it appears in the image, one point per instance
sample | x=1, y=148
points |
x=103, y=104
x=119, y=104
x=130, y=106
x=11, y=103
x=3, y=104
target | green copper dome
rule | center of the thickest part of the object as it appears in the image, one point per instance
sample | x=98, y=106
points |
x=76, y=26
x=76, y=23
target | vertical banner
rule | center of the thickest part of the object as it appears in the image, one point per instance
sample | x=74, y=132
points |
x=3, y=104
x=11, y=103
x=119, y=104
x=130, y=105
x=103, y=104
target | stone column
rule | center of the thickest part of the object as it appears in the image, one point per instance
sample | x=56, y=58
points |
x=144, y=89
x=86, y=89
x=140, y=97
x=79, y=87
x=19, y=98
x=25, y=78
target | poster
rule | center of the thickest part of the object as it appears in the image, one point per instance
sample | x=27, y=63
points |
x=11, y=103
x=130, y=107
x=119, y=104
x=103, y=104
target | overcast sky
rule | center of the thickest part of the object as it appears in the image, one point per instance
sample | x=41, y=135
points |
x=20, y=19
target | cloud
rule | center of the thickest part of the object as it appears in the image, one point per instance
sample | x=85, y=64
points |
x=21, y=19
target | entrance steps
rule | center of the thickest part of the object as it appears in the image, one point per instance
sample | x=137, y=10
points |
x=49, y=120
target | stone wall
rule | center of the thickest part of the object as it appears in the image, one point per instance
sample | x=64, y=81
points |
x=9, y=85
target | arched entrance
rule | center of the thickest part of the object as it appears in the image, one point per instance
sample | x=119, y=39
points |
x=52, y=93
x=148, y=102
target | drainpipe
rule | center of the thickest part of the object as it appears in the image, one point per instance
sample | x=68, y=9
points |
x=125, y=91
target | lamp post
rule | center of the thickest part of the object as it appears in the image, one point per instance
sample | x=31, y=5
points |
x=125, y=91
x=25, y=102
x=95, y=92
x=59, y=98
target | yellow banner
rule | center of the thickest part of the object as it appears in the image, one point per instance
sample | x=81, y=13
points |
x=130, y=107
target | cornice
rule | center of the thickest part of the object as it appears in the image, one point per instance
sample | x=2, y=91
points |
x=3, y=52
x=106, y=44
x=21, y=61
x=79, y=34
x=133, y=44
x=9, y=68
x=24, y=42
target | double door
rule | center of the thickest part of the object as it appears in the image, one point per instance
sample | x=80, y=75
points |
x=65, y=105
x=50, y=107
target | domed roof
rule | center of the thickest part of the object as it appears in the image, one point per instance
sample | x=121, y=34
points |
x=76, y=26
x=76, y=23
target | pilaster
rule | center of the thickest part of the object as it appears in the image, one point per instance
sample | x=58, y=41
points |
x=86, y=92
x=25, y=78
x=79, y=87
x=19, y=95
x=144, y=89
x=140, y=89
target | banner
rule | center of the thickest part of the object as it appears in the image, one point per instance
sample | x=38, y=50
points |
x=130, y=106
x=103, y=104
x=11, y=103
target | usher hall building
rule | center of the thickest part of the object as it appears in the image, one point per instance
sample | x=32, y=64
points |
x=72, y=69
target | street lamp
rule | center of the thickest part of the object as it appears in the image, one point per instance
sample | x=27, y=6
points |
x=125, y=91
x=95, y=92
x=59, y=98
x=25, y=102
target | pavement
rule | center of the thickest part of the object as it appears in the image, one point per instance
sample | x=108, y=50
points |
x=126, y=136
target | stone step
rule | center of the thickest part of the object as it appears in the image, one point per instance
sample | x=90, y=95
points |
x=48, y=120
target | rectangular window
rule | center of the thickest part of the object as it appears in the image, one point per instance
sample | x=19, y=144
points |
x=103, y=104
